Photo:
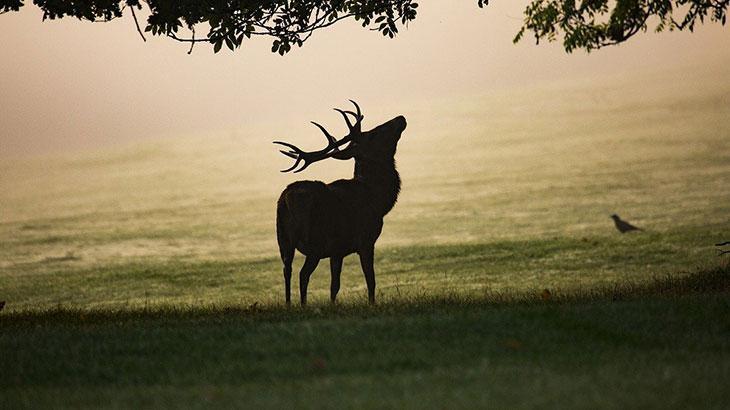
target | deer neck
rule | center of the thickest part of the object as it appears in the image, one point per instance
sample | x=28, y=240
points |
x=382, y=180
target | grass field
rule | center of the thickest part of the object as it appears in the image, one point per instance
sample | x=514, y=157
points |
x=148, y=275
x=662, y=344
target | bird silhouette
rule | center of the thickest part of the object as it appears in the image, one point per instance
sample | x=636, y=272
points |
x=721, y=251
x=622, y=225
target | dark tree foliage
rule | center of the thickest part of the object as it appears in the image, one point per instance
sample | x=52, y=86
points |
x=587, y=24
x=592, y=24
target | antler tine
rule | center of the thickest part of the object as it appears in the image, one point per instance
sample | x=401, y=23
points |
x=359, y=113
x=357, y=116
x=306, y=164
x=344, y=115
x=330, y=139
x=294, y=148
x=289, y=154
x=296, y=164
x=294, y=154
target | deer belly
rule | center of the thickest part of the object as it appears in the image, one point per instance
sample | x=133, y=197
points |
x=330, y=236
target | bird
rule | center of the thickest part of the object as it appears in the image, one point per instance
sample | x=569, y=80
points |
x=721, y=251
x=622, y=225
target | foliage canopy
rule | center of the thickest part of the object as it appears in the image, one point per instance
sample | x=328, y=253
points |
x=586, y=24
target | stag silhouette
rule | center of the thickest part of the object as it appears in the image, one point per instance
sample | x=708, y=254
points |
x=345, y=216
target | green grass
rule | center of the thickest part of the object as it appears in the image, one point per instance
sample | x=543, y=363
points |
x=659, y=344
x=470, y=269
x=148, y=276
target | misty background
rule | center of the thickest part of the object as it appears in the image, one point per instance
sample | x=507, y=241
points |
x=68, y=85
x=113, y=149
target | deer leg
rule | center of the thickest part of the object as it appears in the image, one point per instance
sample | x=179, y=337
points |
x=286, y=247
x=287, y=282
x=310, y=264
x=335, y=270
x=287, y=257
x=367, y=257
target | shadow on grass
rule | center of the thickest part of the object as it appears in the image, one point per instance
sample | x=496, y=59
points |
x=706, y=281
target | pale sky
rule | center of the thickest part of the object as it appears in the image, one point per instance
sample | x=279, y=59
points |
x=69, y=85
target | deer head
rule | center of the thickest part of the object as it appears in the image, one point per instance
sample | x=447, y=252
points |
x=375, y=145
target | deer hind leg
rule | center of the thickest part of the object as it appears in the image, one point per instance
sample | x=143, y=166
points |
x=286, y=250
x=335, y=270
x=286, y=245
x=367, y=257
x=310, y=264
x=287, y=278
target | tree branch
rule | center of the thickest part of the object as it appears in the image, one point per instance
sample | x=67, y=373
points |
x=585, y=24
x=136, y=23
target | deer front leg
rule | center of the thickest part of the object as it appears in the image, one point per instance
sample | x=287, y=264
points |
x=335, y=270
x=367, y=257
x=310, y=264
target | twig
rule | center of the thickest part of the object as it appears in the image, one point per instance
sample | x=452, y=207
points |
x=136, y=23
x=723, y=244
x=192, y=43
x=188, y=40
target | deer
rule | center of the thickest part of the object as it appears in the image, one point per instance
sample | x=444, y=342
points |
x=342, y=217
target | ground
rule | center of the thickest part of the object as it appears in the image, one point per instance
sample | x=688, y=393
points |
x=662, y=344
x=147, y=275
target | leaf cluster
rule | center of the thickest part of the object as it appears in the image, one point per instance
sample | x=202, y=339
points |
x=592, y=24
x=230, y=22
x=580, y=24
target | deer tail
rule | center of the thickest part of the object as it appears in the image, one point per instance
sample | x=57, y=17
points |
x=284, y=231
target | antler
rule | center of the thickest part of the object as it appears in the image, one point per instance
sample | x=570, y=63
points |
x=333, y=145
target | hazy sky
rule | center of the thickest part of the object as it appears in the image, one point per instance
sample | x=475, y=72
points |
x=69, y=84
